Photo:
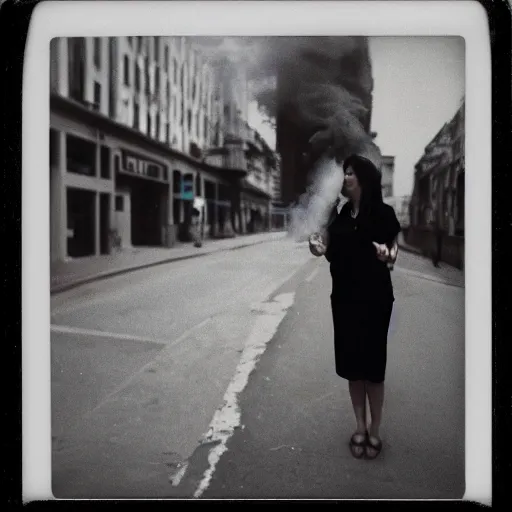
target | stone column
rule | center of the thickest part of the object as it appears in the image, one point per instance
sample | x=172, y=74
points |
x=57, y=195
x=216, y=226
x=171, y=228
x=97, y=224
x=61, y=205
x=243, y=223
x=63, y=73
x=97, y=208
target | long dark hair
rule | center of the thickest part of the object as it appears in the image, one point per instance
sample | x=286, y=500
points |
x=370, y=181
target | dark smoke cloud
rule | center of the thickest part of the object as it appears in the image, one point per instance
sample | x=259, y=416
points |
x=325, y=87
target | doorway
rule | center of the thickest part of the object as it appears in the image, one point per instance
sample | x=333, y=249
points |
x=146, y=213
x=81, y=222
x=104, y=223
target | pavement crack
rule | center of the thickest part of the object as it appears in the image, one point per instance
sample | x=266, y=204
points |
x=280, y=447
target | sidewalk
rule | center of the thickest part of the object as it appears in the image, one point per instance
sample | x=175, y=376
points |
x=67, y=275
x=418, y=264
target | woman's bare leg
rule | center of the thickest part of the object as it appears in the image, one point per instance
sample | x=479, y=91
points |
x=358, y=397
x=375, y=394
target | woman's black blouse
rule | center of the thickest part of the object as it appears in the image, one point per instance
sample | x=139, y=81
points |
x=357, y=273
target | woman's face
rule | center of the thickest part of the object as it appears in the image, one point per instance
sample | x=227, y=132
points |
x=351, y=183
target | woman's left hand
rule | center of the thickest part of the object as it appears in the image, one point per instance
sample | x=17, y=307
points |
x=382, y=251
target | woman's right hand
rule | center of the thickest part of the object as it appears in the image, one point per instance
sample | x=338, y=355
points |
x=382, y=251
x=317, y=245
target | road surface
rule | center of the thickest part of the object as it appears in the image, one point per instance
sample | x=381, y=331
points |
x=185, y=380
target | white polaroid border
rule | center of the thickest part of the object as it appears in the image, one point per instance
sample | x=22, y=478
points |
x=428, y=18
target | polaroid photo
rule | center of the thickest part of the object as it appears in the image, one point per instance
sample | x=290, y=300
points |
x=241, y=219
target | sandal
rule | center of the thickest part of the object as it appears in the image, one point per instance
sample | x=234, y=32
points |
x=376, y=446
x=354, y=443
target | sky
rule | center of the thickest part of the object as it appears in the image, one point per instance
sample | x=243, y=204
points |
x=418, y=86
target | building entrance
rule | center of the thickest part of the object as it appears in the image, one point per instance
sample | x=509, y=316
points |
x=148, y=208
x=81, y=222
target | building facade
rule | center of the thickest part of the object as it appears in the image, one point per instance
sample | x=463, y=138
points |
x=139, y=126
x=437, y=202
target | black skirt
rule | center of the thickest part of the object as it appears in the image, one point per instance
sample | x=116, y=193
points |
x=360, y=338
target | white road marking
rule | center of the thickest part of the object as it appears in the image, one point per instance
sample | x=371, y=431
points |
x=128, y=381
x=227, y=418
x=65, y=329
x=312, y=275
x=176, y=479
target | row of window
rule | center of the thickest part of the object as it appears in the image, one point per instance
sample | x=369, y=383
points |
x=145, y=71
x=81, y=156
x=156, y=51
x=81, y=159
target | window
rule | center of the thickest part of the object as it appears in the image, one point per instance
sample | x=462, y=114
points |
x=198, y=185
x=459, y=230
x=137, y=78
x=76, y=68
x=157, y=122
x=167, y=132
x=97, y=52
x=175, y=66
x=130, y=40
x=157, y=49
x=183, y=79
x=136, y=116
x=189, y=120
x=105, y=162
x=139, y=44
x=97, y=96
x=166, y=58
x=146, y=75
x=157, y=80
x=119, y=203
x=80, y=156
x=148, y=124
x=126, y=70
x=54, y=155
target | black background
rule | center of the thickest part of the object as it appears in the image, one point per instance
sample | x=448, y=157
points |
x=15, y=18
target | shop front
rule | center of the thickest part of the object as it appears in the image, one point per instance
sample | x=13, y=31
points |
x=255, y=208
x=81, y=191
x=142, y=194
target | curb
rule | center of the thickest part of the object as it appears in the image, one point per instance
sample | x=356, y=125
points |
x=428, y=277
x=125, y=270
x=412, y=250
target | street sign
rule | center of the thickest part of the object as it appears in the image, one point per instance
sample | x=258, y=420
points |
x=187, y=190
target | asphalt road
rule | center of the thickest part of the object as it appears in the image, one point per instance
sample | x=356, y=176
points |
x=297, y=417
x=140, y=363
x=143, y=365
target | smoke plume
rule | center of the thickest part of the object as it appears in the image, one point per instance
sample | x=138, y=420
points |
x=325, y=87
x=311, y=212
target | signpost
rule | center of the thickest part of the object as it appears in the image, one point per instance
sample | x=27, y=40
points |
x=187, y=189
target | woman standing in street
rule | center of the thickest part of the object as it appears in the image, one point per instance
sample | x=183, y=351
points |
x=361, y=248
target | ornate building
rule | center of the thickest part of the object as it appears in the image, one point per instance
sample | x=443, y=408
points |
x=437, y=201
x=139, y=126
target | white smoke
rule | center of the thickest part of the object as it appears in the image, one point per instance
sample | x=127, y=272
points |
x=311, y=213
